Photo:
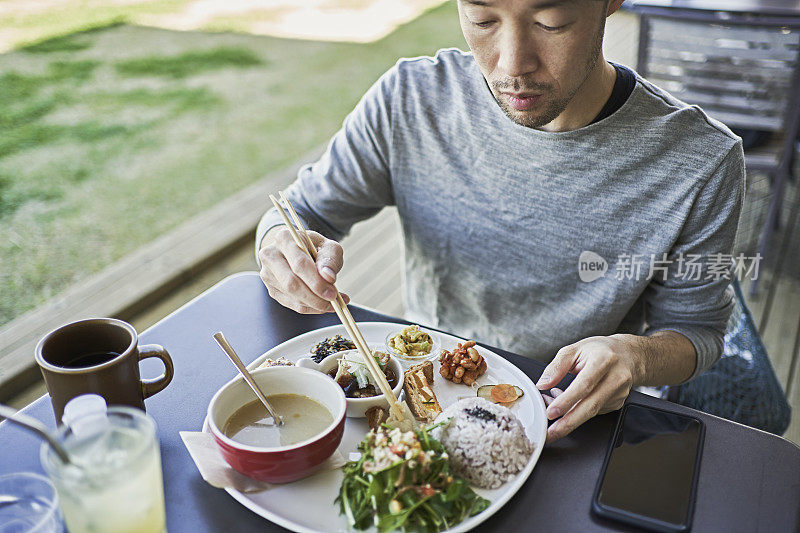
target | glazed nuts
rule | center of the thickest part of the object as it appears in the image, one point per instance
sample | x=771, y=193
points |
x=462, y=365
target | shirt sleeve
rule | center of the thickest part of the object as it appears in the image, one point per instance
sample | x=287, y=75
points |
x=698, y=306
x=351, y=181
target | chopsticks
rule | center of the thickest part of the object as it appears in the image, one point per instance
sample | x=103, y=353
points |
x=340, y=307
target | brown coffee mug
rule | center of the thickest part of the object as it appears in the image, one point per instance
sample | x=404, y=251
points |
x=100, y=356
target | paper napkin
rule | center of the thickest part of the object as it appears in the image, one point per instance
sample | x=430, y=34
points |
x=218, y=473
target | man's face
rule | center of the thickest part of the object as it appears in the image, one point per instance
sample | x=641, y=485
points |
x=534, y=54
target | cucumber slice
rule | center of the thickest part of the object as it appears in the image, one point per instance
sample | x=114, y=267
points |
x=485, y=391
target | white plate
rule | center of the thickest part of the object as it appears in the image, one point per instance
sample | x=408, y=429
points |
x=307, y=505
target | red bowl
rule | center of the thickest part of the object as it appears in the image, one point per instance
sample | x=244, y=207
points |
x=284, y=463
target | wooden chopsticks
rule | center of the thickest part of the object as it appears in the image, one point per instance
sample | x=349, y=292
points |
x=340, y=307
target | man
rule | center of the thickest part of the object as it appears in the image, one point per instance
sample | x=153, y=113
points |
x=509, y=164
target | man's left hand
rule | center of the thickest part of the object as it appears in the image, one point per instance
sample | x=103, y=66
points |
x=606, y=367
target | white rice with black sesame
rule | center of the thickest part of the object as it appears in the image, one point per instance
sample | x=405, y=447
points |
x=486, y=442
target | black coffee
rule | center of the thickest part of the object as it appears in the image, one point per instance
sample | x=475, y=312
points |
x=90, y=359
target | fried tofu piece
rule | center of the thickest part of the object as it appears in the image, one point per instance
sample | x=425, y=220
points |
x=419, y=392
x=377, y=415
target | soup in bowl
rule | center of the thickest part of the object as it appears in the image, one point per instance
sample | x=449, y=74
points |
x=312, y=407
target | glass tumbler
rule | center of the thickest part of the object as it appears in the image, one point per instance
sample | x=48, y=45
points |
x=28, y=504
x=115, y=484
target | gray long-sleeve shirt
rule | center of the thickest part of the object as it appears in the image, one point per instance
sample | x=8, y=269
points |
x=495, y=216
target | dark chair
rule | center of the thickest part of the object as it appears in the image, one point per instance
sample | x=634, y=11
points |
x=742, y=385
x=742, y=69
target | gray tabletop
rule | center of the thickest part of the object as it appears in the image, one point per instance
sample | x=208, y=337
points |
x=749, y=480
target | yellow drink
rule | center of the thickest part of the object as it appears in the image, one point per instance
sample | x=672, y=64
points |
x=115, y=483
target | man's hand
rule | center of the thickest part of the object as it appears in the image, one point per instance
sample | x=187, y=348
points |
x=291, y=276
x=606, y=368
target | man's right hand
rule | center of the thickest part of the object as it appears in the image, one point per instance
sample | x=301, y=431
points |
x=291, y=276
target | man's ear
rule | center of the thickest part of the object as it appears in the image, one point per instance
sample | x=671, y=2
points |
x=613, y=6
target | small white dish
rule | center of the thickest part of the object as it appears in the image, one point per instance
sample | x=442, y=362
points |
x=357, y=407
x=408, y=360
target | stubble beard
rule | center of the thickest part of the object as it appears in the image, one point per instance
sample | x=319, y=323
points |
x=552, y=107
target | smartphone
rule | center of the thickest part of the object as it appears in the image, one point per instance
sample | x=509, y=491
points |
x=649, y=476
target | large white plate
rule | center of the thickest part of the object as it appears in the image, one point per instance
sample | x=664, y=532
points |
x=307, y=505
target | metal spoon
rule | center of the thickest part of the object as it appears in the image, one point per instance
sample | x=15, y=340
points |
x=229, y=351
x=37, y=427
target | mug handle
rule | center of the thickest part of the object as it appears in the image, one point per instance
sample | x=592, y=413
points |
x=152, y=386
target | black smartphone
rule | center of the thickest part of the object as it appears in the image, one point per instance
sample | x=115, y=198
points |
x=649, y=476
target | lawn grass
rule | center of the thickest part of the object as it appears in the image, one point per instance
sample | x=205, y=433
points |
x=188, y=63
x=113, y=136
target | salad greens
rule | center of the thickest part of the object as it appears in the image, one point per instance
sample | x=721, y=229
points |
x=403, y=481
